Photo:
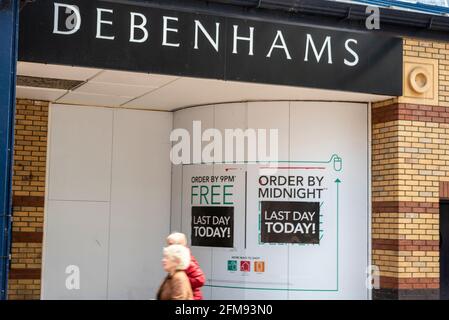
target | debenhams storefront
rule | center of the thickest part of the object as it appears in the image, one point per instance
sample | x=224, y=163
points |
x=349, y=209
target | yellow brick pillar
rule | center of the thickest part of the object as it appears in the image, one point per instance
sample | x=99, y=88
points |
x=410, y=164
x=30, y=154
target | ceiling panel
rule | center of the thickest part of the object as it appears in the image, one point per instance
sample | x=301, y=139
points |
x=92, y=99
x=187, y=92
x=132, y=78
x=55, y=72
x=44, y=94
x=113, y=89
x=159, y=92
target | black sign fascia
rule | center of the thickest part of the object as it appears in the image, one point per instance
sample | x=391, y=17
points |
x=186, y=44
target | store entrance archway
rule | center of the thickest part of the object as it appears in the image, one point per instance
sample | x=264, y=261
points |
x=112, y=194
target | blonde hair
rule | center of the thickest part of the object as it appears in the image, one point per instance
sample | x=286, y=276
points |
x=177, y=238
x=178, y=253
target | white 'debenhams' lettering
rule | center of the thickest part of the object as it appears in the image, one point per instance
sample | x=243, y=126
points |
x=76, y=15
x=140, y=30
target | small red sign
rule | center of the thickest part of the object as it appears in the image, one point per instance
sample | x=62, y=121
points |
x=245, y=266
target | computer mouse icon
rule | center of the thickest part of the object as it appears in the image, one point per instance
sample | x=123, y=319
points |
x=338, y=163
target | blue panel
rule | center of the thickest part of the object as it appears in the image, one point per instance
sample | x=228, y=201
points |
x=8, y=57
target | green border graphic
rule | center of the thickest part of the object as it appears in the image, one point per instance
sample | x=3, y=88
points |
x=337, y=181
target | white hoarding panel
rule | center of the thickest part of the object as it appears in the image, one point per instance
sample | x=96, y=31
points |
x=293, y=228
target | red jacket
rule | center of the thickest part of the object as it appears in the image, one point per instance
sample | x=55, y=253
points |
x=196, y=278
